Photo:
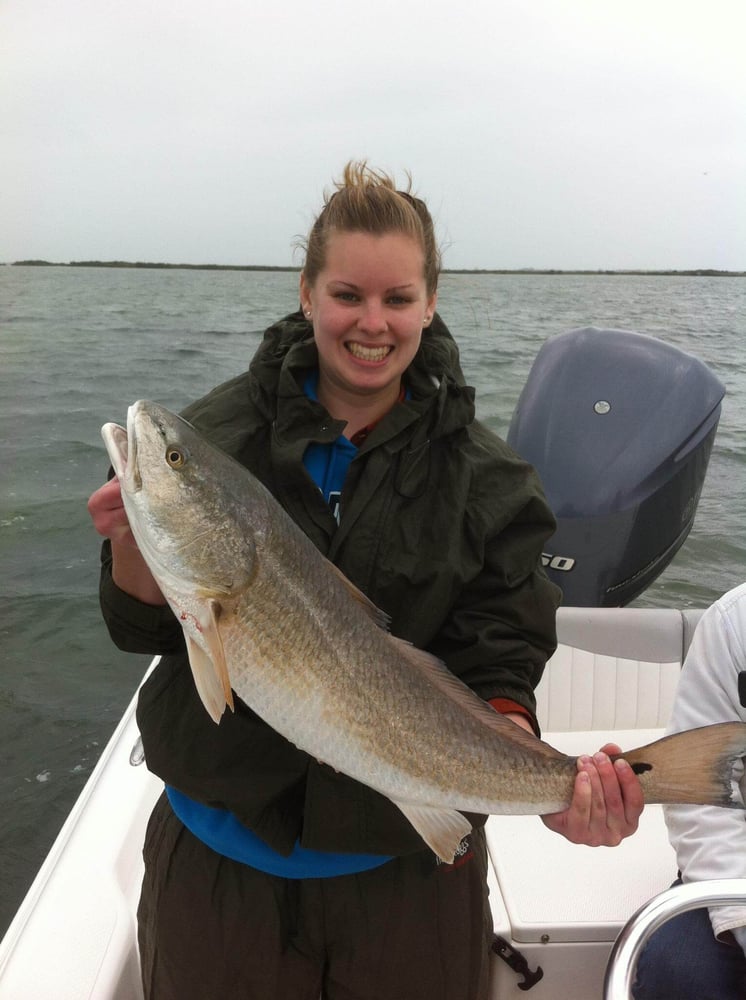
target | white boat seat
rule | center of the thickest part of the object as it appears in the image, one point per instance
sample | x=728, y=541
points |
x=614, y=668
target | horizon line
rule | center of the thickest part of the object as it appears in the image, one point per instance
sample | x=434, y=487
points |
x=164, y=265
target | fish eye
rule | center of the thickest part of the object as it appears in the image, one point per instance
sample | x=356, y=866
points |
x=176, y=456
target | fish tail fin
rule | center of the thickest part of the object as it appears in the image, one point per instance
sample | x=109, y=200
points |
x=698, y=766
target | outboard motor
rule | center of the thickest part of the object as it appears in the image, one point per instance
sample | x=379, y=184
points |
x=619, y=426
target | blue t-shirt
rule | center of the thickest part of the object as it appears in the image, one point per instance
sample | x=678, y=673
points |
x=223, y=833
x=327, y=464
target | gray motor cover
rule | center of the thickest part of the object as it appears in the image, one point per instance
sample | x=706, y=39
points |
x=620, y=426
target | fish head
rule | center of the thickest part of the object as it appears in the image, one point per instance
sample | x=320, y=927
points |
x=187, y=504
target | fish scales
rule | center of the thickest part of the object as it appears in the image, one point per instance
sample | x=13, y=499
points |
x=266, y=616
x=346, y=664
x=322, y=676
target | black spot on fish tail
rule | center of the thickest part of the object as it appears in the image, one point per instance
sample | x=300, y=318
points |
x=695, y=766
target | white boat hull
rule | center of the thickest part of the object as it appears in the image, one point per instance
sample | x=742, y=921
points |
x=74, y=935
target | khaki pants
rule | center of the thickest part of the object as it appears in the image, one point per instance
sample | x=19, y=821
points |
x=213, y=929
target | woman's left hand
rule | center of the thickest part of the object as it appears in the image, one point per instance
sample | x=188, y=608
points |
x=606, y=803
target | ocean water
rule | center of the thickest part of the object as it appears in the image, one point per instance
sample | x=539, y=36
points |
x=77, y=345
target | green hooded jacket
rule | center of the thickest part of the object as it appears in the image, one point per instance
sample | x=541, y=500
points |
x=441, y=525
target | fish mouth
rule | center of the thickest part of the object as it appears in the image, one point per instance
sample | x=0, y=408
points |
x=363, y=353
x=121, y=445
x=115, y=439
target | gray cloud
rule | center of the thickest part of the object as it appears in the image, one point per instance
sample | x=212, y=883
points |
x=575, y=134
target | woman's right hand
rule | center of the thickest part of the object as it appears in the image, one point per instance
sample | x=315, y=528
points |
x=108, y=514
x=129, y=571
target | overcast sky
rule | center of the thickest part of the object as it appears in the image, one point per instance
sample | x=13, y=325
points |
x=566, y=134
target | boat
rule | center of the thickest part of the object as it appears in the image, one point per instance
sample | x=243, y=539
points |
x=568, y=920
x=558, y=908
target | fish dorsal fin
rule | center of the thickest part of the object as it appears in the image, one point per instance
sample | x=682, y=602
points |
x=374, y=613
x=441, y=677
x=441, y=829
x=209, y=668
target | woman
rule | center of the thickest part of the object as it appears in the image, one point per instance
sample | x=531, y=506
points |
x=267, y=873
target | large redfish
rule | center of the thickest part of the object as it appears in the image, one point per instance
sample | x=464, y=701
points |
x=266, y=615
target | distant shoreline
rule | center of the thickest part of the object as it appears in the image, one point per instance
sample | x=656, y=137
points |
x=691, y=273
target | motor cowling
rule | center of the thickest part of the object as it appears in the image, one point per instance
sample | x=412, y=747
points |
x=619, y=426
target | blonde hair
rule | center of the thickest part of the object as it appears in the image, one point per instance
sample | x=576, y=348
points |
x=367, y=201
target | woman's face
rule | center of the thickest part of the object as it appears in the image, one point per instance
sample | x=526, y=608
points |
x=368, y=306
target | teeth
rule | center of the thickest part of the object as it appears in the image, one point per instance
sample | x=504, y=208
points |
x=368, y=353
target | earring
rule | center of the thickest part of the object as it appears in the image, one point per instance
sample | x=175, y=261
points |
x=308, y=313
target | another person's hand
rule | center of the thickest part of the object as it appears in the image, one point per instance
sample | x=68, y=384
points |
x=606, y=804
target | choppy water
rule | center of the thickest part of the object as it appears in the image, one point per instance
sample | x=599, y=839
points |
x=78, y=345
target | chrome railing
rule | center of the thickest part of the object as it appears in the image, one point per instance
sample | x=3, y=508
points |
x=620, y=971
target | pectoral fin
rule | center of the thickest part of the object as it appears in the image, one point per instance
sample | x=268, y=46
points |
x=209, y=668
x=441, y=829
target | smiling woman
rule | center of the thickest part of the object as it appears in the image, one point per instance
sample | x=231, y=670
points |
x=368, y=306
x=369, y=287
x=355, y=414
